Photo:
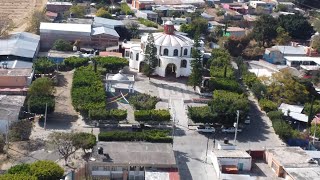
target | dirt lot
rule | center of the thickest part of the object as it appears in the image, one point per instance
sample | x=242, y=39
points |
x=20, y=11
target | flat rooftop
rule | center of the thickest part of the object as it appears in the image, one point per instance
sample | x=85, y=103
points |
x=68, y=27
x=136, y=153
x=16, y=72
x=230, y=153
x=312, y=173
x=291, y=157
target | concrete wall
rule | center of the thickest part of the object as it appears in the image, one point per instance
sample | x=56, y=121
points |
x=237, y=161
x=14, y=81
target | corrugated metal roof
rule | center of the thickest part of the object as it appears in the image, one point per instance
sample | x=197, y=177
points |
x=65, y=27
x=103, y=30
x=20, y=44
x=298, y=50
x=107, y=22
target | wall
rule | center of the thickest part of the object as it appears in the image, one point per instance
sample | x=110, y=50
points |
x=58, y=8
x=236, y=161
x=14, y=81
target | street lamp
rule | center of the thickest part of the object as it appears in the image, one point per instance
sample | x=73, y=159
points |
x=236, y=127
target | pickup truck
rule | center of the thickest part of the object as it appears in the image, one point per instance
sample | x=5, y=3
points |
x=231, y=130
x=205, y=129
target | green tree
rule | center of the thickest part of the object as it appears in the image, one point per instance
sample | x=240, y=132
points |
x=84, y=141
x=259, y=89
x=62, y=45
x=264, y=30
x=150, y=56
x=296, y=25
x=19, y=169
x=283, y=37
x=44, y=66
x=133, y=29
x=17, y=177
x=316, y=25
x=198, y=24
x=285, y=88
x=235, y=46
x=20, y=130
x=282, y=129
x=195, y=77
x=41, y=87
x=46, y=170
x=102, y=12
x=315, y=42
x=63, y=142
x=281, y=7
x=77, y=11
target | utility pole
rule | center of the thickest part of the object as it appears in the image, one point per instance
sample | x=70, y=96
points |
x=45, y=117
x=310, y=119
x=236, y=127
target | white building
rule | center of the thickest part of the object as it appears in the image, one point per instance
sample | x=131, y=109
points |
x=173, y=52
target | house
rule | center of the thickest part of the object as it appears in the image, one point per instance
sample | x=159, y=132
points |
x=58, y=7
x=267, y=7
x=294, y=111
x=133, y=160
x=207, y=16
x=228, y=163
x=197, y=3
x=213, y=24
x=147, y=14
x=173, y=52
x=241, y=8
x=235, y=32
x=176, y=21
x=107, y=23
x=292, y=163
x=10, y=108
x=86, y=34
x=19, y=46
x=142, y=4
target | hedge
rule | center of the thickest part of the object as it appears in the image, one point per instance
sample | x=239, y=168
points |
x=160, y=136
x=273, y=115
x=148, y=23
x=143, y=101
x=44, y=66
x=152, y=115
x=268, y=105
x=112, y=64
x=75, y=62
x=102, y=114
x=37, y=104
x=88, y=91
x=224, y=84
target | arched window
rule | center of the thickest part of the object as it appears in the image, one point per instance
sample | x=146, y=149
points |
x=156, y=50
x=137, y=56
x=175, y=52
x=159, y=62
x=131, y=54
x=165, y=52
x=184, y=63
x=185, y=52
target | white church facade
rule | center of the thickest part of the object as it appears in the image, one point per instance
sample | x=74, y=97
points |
x=173, y=52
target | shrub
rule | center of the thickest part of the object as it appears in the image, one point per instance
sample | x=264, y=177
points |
x=268, y=105
x=273, y=115
x=17, y=177
x=102, y=114
x=87, y=90
x=224, y=84
x=282, y=129
x=62, y=45
x=41, y=87
x=152, y=115
x=20, y=130
x=102, y=12
x=143, y=101
x=84, y=140
x=112, y=64
x=249, y=79
x=148, y=23
x=75, y=62
x=125, y=9
x=161, y=136
x=46, y=170
x=44, y=66
x=37, y=104
x=200, y=114
x=259, y=89
x=19, y=169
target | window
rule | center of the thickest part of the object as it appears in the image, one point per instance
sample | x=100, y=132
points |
x=184, y=63
x=175, y=52
x=155, y=50
x=131, y=54
x=165, y=52
x=185, y=52
x=127, y=53
x=159, y=62
x=137, y=56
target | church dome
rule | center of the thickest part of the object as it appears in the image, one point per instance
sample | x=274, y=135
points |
x=172, y=40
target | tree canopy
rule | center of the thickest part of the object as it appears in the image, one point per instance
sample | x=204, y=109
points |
x=102, y=12
x=296, y=25
x=195, y=77
x=150, y=56
x=77, y=11
x=264, y=30
x=46, y=170
x=41, y=87
x=44, y=66
x=191, y=28
x=62, y=45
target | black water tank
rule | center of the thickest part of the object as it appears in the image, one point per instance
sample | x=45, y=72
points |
x=226, y=140
x=100, y=150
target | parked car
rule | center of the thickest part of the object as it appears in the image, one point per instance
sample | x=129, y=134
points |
x=247, y=121
x=205, y=129
x=231, y=130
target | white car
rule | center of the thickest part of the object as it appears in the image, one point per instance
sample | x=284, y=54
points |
x=205, y=129
x=231, y=130
x=247, y=121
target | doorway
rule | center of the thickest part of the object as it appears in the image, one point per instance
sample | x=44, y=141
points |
x=171, y=70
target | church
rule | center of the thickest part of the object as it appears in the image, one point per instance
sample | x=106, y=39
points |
x=173, y=52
